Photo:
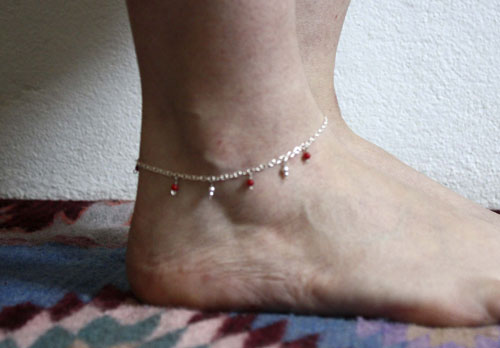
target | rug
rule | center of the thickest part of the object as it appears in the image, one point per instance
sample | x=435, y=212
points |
x=63, y=284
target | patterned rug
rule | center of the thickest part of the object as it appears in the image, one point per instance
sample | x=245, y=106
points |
x=63, y=284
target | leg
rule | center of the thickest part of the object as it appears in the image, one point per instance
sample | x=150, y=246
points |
x=224, y=88
x=319, y=24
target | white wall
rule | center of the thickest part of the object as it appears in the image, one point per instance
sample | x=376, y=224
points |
x=419, y=78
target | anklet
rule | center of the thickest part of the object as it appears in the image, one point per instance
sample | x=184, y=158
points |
x=249, y=172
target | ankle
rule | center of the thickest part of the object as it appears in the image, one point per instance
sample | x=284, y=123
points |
x=214, y=137
x=234, y=150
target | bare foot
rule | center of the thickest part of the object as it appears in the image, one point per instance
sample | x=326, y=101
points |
x=224, y=88
x=337, y=237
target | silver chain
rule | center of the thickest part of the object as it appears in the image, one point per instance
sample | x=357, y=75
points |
x=239, y=173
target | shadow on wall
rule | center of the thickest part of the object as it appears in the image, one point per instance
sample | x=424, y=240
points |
x=44, y=41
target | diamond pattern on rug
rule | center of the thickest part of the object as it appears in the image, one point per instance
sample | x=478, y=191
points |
x=63, y=285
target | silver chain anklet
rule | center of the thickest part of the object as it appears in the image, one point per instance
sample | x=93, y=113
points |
x=249, y=172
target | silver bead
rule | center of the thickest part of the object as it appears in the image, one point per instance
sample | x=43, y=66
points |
x=211, y=191
x=285, y=171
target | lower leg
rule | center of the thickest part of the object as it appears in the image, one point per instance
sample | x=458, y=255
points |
x=226, y=65
x=224, y=88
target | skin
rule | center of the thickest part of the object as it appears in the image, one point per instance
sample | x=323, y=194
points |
x=352, y=231
x=319, y=25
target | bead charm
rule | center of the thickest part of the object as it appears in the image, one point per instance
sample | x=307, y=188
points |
x=211, y=191
x=285, y=170
x=250, y=182
x=305, y=156
x=175, y=187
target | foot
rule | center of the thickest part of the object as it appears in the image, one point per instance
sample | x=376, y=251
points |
x=375, y=156
x=339, y=236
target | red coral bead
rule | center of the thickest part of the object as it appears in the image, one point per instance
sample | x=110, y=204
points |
x=175, y=187
x=306, y=156
x=250, y=182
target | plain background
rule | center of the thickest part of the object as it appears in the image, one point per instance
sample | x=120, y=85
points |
x=419, y=78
